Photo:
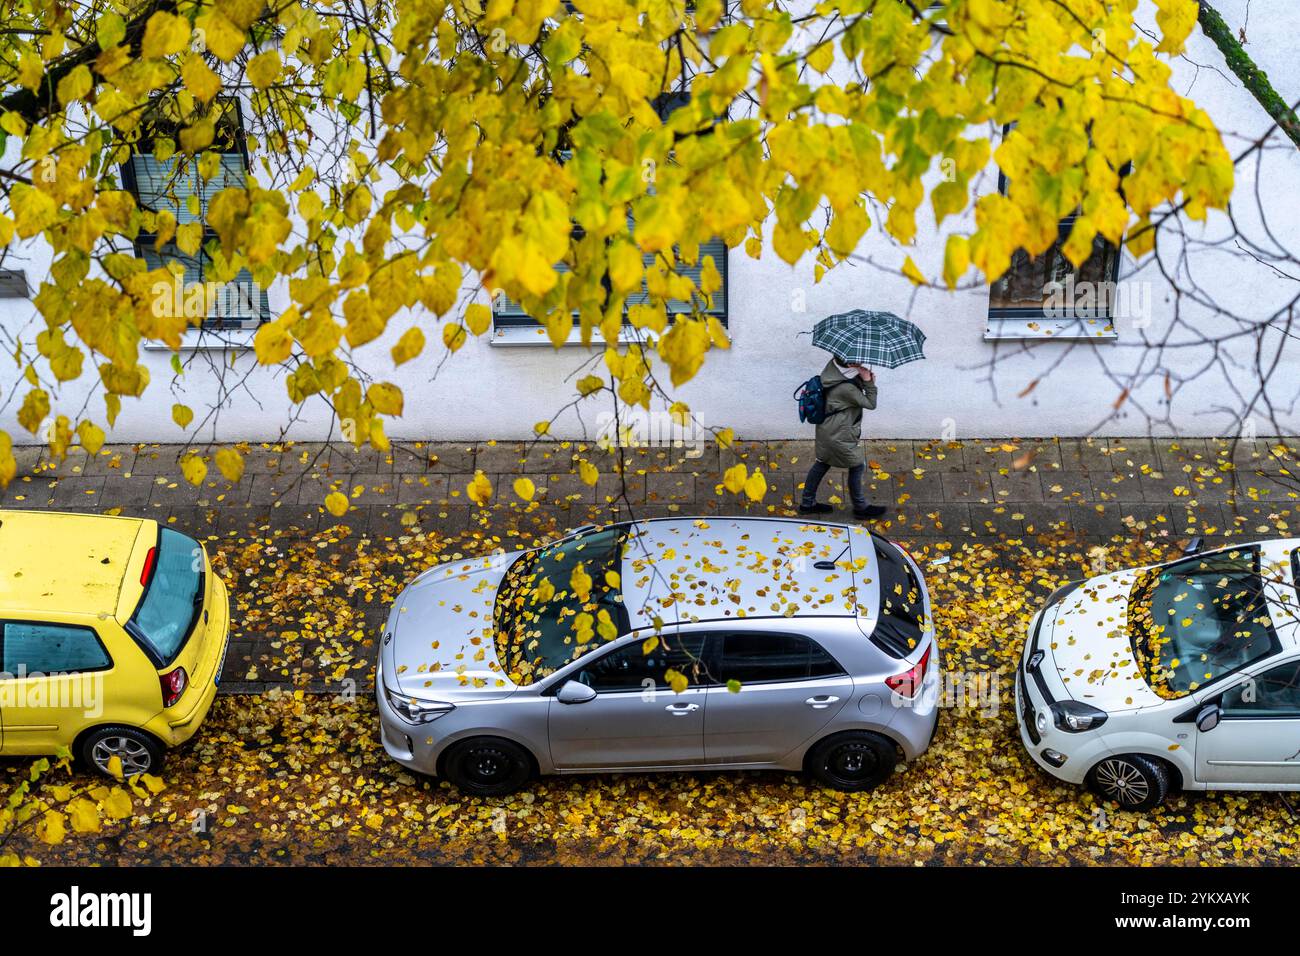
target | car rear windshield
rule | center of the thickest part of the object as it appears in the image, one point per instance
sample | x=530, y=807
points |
x=558, y=602
x=173, y=596
x=1193, y=621
x=902, y=613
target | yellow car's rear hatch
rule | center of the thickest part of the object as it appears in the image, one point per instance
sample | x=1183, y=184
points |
x=168, y=607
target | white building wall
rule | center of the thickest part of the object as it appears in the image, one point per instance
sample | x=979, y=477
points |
x=487, y=390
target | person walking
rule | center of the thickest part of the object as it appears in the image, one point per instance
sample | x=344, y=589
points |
x=849, y=389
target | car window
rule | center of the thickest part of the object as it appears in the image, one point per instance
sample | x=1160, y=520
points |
x=754, y=657
x=173, y=597
x=630, y=668
x=899, y=627
x=30, y=648
x=1199, y=619
x=1274, y=693
x=540, y=618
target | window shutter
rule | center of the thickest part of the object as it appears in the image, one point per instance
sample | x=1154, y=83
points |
x=167, y=186
x=510, y=310
x=160, y=186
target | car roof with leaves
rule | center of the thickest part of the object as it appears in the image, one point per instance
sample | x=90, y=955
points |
x=708, y=569
x=55, y=561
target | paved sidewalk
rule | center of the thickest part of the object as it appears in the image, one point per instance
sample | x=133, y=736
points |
x=960, y=489
x=938, y=493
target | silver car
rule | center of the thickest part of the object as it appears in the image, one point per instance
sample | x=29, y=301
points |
x=674, y=644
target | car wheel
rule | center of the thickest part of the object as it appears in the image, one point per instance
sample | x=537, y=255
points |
x=1133, y=781
x=488, y=766
x=139, y=752
x=854, y=760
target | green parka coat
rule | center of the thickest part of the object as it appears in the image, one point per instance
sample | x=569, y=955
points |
x=839, y=436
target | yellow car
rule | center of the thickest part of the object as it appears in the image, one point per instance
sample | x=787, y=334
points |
x=112, y=636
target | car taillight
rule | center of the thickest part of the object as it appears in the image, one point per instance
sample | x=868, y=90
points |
x=908, y=683
x=173, y=685
x=147, y=571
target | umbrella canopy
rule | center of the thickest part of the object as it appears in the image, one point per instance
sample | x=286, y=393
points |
x=870, y=338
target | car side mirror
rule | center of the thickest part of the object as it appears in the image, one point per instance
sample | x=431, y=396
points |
x=574, y=692
x=1207, y=718
x=1194, y=546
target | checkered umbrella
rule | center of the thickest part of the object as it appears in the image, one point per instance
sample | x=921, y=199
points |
x=879, y=339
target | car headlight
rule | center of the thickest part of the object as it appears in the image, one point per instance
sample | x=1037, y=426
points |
x=416, y=711
x=1074, y=717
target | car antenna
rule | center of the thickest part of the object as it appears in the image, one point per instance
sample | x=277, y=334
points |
x=830, y=565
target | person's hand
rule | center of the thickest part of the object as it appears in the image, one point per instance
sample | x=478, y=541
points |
x=867, y=374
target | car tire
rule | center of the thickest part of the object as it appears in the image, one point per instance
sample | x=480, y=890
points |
x=1133, y=781
x=487, y=766
x=852, y=761
x=139, y=752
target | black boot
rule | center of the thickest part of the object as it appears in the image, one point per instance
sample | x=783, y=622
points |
x=868, y=511
x=816, y=508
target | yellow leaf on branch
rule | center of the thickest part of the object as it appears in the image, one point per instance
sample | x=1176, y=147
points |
x=478, y=317
x=386, y=398
x=410, y=345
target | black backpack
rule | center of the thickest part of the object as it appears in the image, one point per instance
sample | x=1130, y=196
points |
x=811, y=396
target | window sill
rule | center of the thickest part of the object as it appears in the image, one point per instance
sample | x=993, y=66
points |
x=508, y=336
x=225, y=340
x=1044, y=328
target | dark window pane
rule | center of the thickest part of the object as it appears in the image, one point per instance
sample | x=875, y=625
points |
x=668, y=103
x=898, y=629
x=632, y=669
x=1049, y=282
x=169, y=185
x=51, y=649
x=1050, y=287
x=820, y=663
x=755, y=657
x=1275, y=693
x=239, y=303
x=175, y=186
x=510, y=312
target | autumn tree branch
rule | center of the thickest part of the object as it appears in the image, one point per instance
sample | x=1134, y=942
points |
x=1252, y=77
x=35, y=105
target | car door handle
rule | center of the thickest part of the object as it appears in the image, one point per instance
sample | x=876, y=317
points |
x=821, y=701
x=681, y=710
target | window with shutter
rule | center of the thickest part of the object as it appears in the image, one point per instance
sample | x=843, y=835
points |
x=174, y=185
x=510, y=314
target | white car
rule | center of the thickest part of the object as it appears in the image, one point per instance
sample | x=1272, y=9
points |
x=1179, y=675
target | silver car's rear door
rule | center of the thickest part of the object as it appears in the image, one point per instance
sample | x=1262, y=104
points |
x=790, y=690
